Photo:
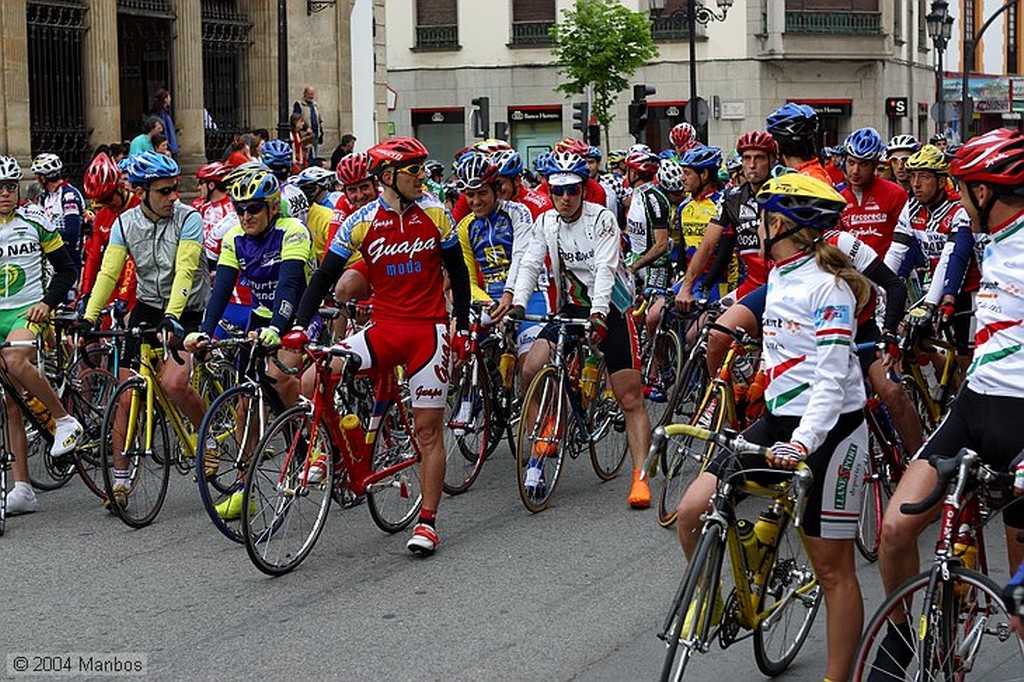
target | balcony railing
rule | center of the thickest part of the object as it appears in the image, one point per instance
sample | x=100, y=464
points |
x=848, y=23
x=532, y=32
x=672, y=27
x=437, y=37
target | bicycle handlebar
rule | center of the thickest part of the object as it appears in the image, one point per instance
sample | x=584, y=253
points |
x=965, y=464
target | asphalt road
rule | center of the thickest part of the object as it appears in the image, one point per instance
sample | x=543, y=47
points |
x=574, y=593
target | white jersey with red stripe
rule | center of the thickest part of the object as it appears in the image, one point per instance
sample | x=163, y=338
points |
x=808, y=327
x=998, y=365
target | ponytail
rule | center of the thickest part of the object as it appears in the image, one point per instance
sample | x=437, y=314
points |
x=832, y=260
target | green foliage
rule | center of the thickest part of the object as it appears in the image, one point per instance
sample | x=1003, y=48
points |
x=601, y=43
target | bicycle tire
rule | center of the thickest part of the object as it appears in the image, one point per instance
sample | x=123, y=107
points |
x=926, y=587
x=394, y=502
x=689, y=390
x=546, y=390
x=608, y=442
x=43, y=472
x=668, y=344
x=273, y=503
x=234, y=435
x=465, y=453
x=874, y=500
x=149, y=471
x=87, y=400
x=704, y=569
x=792, y=570
x=922, y=405
x=4, y=466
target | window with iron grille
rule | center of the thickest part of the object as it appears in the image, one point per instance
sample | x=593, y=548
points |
x=833, y=16
x=922, y=25
x=226, y=42
x=56, y=97
x=1013, y=38
x=969, y=29
x=532, y=21
x=437, y=24
x=671, y=23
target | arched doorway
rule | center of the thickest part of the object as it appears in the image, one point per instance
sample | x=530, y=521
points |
x=144, y=34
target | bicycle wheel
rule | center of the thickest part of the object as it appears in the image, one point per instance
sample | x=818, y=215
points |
x=685, y=458
x=4, y=466
x=88, y=398
x=234, y=421
x=787, y=606
x=874, y=500
x=960, y=632
x=43, y=472
x=149, y=469
x=466, y=444
x=688, y=390
x=922, y=405
x=608, y=443
x=541, y=448
x=693, y=613
x=283, y=512
x=662, y=371
x=395, y=501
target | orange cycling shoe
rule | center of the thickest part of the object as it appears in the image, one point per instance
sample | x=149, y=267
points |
x=640, y=492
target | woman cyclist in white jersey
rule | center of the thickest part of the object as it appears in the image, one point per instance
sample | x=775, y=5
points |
x=815, y=395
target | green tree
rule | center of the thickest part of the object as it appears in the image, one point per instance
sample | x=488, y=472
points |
x=601, y=43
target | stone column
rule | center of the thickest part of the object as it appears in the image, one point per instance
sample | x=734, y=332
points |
x=380, y=49
x=101, y=74
x=262, y=65
x=15, y=134
x=343, y=116
x=187, y=96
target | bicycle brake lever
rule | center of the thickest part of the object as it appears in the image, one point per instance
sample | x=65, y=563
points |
x=658, y=440
x=804, y=480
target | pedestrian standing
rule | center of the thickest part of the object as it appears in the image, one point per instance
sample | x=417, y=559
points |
x=310, y=111
x=348, y=141
x=161, y=108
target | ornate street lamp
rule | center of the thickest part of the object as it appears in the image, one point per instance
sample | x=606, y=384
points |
x=940, y=29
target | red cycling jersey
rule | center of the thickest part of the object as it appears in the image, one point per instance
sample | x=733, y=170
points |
x=343, y=209
x=872, y=218
x=94, y=247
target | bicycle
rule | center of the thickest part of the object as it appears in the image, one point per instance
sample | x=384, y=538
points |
x=694, y=376
x=311, y=454
x=962, y=626
x=775, y=593
x=719, y=407
x=567, y=407
x=144, y=439
x=661, y=353
x=931, y=394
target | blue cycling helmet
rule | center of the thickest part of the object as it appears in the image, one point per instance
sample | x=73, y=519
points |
x=702, y=157
x=277, y=154
x=509, y=162
x=594, y=153
x=569, y=162
x=668, y=155
x=734, y=164
x=793, y=122
x=864, y=144
x=149, y=166
x=544, y=165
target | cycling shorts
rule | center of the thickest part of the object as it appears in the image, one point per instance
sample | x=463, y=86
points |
x=620, y=347
x=13, y=319
x=755, y=302
x=528, y=331
x=149, y=316
x=421, y=347
x=833, y=506
x=989, y=425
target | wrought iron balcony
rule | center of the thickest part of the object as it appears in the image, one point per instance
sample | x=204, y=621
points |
x=842, y=23
x=671, y=27
x=532, y=32
x=437, y=37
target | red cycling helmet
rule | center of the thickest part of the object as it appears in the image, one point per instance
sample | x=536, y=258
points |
x=683, y=137
x=215, y=172
x=997, y=157
x=353, y=169
x=757, y=140
x=102, y=177
x=643, y=162
x=397, y=151
x=573, y=146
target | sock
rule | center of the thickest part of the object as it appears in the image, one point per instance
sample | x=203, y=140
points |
x=66, y=419
x=121, y=477
x=24, y=484
x=428, y=516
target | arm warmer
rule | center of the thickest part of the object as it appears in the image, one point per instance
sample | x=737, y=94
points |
x=222, y=286
x=716, y=273
x=895, y=292
x=320, y=284
x=65, y=274
x=289, y=288
x=959, y=260
x=72, y=234
x=106, y=279
x=458, y=277
x=186, y=263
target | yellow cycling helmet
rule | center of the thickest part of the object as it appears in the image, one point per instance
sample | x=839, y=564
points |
x=929, y=158
x=258, y=185
x=806, y=201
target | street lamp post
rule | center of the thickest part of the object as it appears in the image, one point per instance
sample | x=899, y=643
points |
x=970, y=46
x=940, y=29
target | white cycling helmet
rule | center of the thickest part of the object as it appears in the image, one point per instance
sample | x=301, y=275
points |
x=47, y=165
x=904, y=143
x=9, y=168
x=670, y=176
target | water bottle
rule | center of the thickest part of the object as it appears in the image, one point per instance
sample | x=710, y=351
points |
x=41, y=413
x=748, y=541
x=464, y=417
x=928, y=372
x=964, y=547
x=767, y=529
x=507, y=368
x=588, y=380
x=355, y=436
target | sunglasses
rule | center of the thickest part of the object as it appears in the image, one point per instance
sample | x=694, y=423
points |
x=166, y=191
x=562, y=190
x=411, y=169
x=9, y=186
x=252, y=208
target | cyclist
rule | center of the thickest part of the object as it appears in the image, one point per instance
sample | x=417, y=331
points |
x=900, y=148
x=647, y=220
x=104, y=185
x=1013, y=593
x=405, y=237
x=834, y=164
x=27, y=237
x=671, y=183
x=939, y=140
x=316, y=184
x=164, y=238
x=734, y=169
x=435, y=178
x=683, y=138
x=509, y=184
x=873, y=204
x=795, y=129
x=217, y=205
x=613, y=186
x=582, y=241
x=63, y=204
x=360, y=188
x=985, y=416
x=277, y=156
x=815, y=396
x=616, y=163
x=592, y=189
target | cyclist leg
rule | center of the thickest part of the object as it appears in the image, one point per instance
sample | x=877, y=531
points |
x=901, y=409
x=744, y=314
x=176, y=378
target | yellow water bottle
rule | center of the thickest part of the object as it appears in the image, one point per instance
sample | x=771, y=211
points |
x=355, y=436
x=507, y=368
x=748, y=541
x=588, y=380
x=41, y=413
x=767, y=529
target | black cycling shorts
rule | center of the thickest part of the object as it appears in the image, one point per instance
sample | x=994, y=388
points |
x=151, y=317
x=620, y=347
x=989, y=425
x=755, y=302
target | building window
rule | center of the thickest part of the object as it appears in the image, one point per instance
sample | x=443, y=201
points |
x=969, y=29
x=1013, y=38
x=671, y=23
x=922, y=25
x=225, y=45
x=532, y=21
x=437, y=25
x=833, y=16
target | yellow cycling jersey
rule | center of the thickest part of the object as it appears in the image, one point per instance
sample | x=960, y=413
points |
x=319, y=226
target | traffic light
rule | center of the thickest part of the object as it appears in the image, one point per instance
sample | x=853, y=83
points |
x=481, y=117
x=581, y=117
x=594, y=135
x=638, y=110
